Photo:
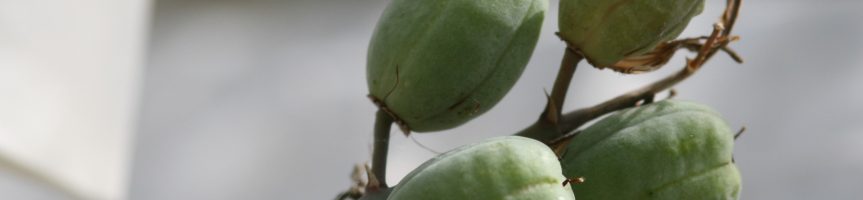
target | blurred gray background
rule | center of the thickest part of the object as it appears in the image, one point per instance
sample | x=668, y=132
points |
x=265, y=99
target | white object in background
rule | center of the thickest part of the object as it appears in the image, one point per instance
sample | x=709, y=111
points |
x=69, y=74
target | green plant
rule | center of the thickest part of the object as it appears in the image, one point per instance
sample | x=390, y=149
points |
x=665, y=150
x=607, y=32
x=508, y=167
x=434, y=65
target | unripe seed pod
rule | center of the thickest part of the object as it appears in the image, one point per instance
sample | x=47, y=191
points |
x=664, y=150
x=509, y=167
x=436, y=64
x=606, y=31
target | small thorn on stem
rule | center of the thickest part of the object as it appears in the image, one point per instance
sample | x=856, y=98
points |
x=740, y=132
x=646, y=100
x=649, y=99
x=671, y=93
x=559, y=144
x=734, y=55
x=577, y=180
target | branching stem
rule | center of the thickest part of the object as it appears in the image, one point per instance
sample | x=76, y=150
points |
x=556, y=128
x=718, y=40
x=546, y=127
x=569, y=122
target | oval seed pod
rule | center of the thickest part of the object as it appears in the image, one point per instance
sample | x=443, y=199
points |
x=437, y=64
x=606, y=32
x=508, y=167
x=664, y=150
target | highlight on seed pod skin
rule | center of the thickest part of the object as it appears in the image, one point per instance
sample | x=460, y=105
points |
x=664, y=150
x=607, y=31
x=508, y=167
x=436, y=64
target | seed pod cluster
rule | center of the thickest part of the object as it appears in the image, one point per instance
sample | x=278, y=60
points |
x=664, y=150
x=434, y=65
x=508, y=167
x=607, y=31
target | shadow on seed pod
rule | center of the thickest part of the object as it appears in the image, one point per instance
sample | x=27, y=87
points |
x=434, y=65
x=664, y=150
x=606, y=32
x=509, y=167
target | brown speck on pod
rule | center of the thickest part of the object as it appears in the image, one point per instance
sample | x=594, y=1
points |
x=577, y=180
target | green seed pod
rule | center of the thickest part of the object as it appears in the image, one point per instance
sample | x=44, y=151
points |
x=509, y=167
x=665, y=150
x=606, y=32
x=437, y=64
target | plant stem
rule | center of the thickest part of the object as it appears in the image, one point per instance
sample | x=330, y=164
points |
x=564, y=77
x=383, y=123
x=555, y=128
x=546, y=127
x=717, y=40
x=573, y=120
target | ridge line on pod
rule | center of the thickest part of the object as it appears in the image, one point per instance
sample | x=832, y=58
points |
x=485, y=79
x=384, y=104
x=410, y=50
x=531, y=186
x=603, y=139
x=687, y=177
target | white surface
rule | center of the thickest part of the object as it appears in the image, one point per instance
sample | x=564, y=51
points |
x=69, y=81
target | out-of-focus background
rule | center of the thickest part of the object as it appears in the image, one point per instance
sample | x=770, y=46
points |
x=265, y=99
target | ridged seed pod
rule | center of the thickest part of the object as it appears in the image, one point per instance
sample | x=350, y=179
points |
x=436, y=64
x=607, y=31
x=509, y=167
x=665, y=150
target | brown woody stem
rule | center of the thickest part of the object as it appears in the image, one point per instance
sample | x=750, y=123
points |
x=573, y=120
x=564, y=77
x=546, y=127
x=718, y=40
x=556, y=128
